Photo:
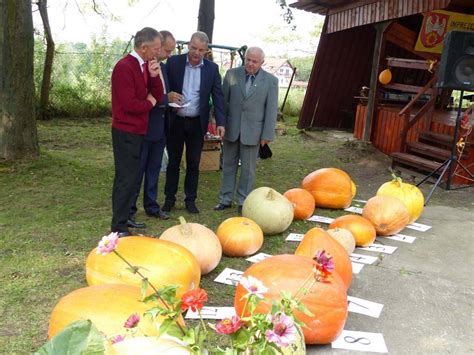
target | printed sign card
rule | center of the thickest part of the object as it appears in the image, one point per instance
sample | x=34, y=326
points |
x=258, y=257
x=294, y=237
x=368, y=308
x=320, y=219
x=402, y=238
x=212, y=313
x=354, y=209
x=360, y=201
x=356, y=267
x=419, y=227
x=361, y=341
x=229, y=276
x=364, y=259
x=386, y=249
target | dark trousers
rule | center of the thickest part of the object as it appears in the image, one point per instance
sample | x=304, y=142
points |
x=183, y=131
x=127, y=150
x=150, y=167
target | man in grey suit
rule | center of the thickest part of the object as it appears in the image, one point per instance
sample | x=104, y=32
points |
x=251, y=107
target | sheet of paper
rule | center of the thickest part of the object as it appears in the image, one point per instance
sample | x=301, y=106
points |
x=419, y=227
x=258, y=257
x=354, y=209
x=294, y=237
x=368, y=308
x=320, y=219
x=364, y=259
x=386, y=249
x=212, y=313
x=175, y=105
x=401, y=238
x=356, y=267
x=361, y=341
x=229, y=276
x=360, y=201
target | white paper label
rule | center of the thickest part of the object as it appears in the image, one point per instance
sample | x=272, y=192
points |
x=212, y=313
x=294, y=237
x=258, y=257
x=368, y=308
x=360, y=201
x=419, y=227
x=402, y=238
x=229, y=276
x=386, y=249
x=364, y=259
x=354, y=209
x=361, y=341
x=320, y=219
x=356, y=267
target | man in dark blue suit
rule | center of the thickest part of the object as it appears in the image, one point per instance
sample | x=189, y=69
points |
x=154, y=143
x=197, y=79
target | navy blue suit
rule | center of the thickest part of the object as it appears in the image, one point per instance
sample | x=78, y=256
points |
x=190, y=132
x=152, y=154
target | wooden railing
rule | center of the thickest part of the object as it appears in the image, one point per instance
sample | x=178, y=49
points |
x=410, y=121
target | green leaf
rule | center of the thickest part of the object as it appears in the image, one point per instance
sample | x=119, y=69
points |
x=168, y=293
x=80, y=337
x=302, y=308
x=144, y=288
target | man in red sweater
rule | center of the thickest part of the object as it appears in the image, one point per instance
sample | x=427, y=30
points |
x=136, y=87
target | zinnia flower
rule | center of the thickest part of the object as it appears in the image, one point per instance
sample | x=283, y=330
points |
x=228, y=325
x=324, y=265
x=254, y=286
x=194, y=299
x=132, y=321
x=117, y=339
x=108, y=244
x=283, y=332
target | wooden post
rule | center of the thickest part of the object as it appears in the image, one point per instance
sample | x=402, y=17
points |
x=378, y=50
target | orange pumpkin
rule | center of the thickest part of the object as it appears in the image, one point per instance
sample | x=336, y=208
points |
x=107, y=306
x=326, y=301
x=317, y=239
x=388, y=214
x=163, y=263
x=239, y=236
x=303, y=202
x=363, y=231
x=330, y=187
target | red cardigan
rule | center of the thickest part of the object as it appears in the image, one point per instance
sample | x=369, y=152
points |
x=130, y=107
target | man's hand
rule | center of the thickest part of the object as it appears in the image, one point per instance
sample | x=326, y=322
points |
x=154, y=68
x=175, y=97
x=263, y=142
x=220, y=131
x=150, y=98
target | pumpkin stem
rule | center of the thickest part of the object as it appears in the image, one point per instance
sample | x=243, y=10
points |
x=395, y=178
x=184, y=226
x=270, y=195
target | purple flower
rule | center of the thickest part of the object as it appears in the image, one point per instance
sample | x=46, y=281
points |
x=284, y=331
x=108, y=243
x=254, y=286
x=132, y=321
x=117, y=339
x=324, y=265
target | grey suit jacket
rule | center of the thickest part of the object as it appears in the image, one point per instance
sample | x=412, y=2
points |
x=253, y=116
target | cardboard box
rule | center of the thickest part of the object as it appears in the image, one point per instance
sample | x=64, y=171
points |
x=210, y=156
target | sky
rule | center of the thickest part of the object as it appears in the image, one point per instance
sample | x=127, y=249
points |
x=237, y=22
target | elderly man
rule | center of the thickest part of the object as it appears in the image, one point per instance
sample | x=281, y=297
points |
x=197, y=80
x=136, y=88
x=251, y=107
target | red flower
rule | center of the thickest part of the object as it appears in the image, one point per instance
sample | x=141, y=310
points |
x=228, y=325
x=194, y=299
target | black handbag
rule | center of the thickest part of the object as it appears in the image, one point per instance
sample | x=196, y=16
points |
x=265, y=152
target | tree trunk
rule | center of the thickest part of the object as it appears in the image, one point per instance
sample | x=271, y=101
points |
x=206, y=17
x=48, y=61
x=18, y=135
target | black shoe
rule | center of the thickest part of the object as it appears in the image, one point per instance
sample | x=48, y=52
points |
x=124, y=234
x=221, y=206
x=167, y=206
x=191, y=207
x=132, y=224
x=159, y=214
x=239, y=210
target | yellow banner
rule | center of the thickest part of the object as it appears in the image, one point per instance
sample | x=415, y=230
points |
x=435, y=26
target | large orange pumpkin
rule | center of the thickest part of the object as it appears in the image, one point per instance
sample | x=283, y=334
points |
x=303, y=202
x=326, y=301
x=330, y=187
x=107, y=306
x=239, y=236
x=388, y=214
x=317, y=239
x=363, y=231
x=162, y=262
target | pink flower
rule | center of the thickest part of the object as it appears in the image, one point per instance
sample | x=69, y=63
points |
x=132, y=321
x=254, y=286
x=324, y=265
x=283, y=332
x=228, y=325
x=108, y=244
x=117, y=339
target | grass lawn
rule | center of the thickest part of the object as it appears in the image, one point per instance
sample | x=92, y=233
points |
x=54, y=210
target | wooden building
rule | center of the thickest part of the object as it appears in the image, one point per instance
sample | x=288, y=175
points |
x=409, y=118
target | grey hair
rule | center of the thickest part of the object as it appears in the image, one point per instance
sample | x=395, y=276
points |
x=165, y=35
x=256, y=50
x=201, y=36
x=146, y=34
